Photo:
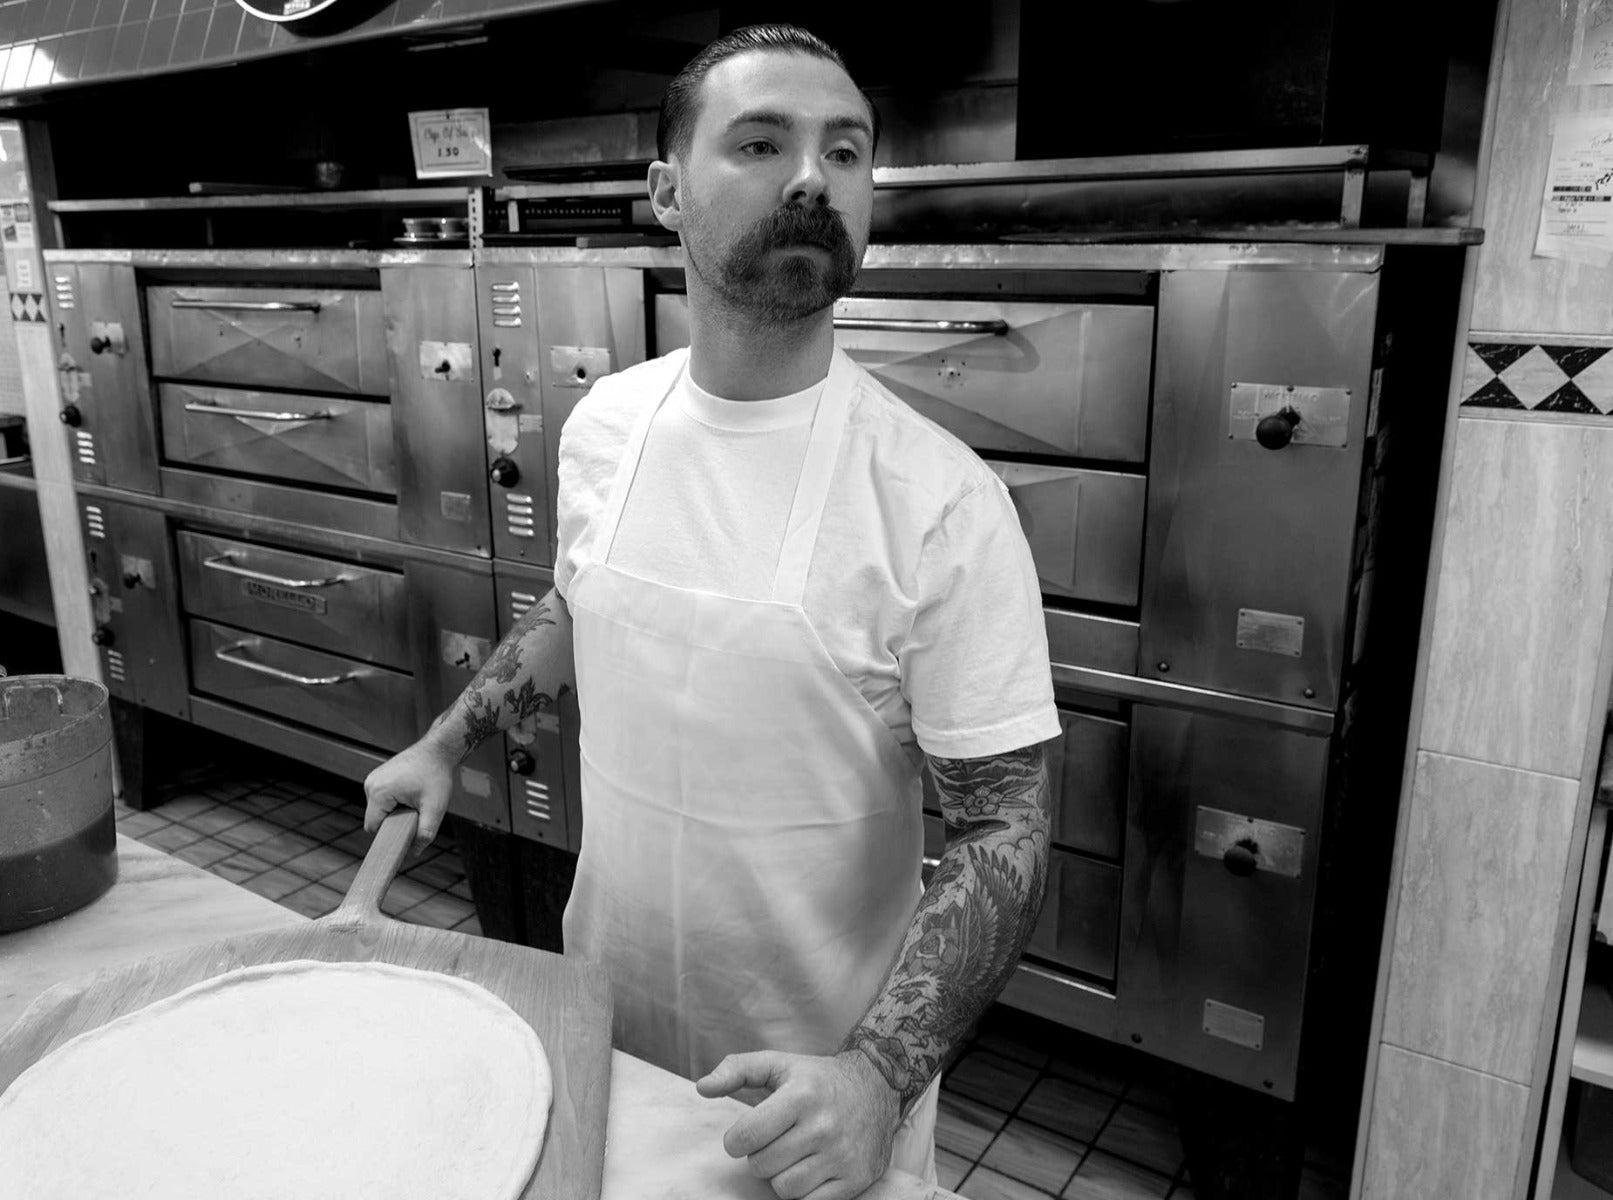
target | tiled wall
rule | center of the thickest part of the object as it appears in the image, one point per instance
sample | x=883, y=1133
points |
x=48, y=43
x=1494, y=819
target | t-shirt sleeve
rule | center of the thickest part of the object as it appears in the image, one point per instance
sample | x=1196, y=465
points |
x=587, y=467
x=975, y=664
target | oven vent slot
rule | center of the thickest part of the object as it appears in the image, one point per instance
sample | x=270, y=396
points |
x=64, y=291
x=86, y=447
x=114, y=666
x=506, y=297
x=95, y=521
x=518, y=512
x=537, y=801
x=520, y=602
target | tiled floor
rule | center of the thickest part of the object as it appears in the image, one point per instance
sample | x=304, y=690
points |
x=1029, y=1110
x=295, y=836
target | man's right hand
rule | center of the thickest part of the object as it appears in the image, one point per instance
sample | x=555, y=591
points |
x=420, y=777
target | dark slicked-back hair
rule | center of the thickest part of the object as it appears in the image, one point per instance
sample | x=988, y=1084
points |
x=681, y=104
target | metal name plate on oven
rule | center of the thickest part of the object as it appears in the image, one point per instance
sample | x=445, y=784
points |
x=1324, y=412
x=284, y=597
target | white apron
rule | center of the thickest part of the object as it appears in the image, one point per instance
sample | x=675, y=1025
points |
x=752, y=828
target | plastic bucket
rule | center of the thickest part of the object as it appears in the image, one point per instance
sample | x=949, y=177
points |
x=58, y=835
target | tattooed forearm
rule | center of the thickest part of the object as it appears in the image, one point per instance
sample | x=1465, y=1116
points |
x=527, y=673
x=973, y=921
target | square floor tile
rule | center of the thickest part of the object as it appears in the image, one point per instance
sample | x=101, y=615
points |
x=1034, y=1155
x=1101, y=1177
x=248, y=833
x=346, y=798
x=1152, y=1087
x=1096, y=1065
x=137, y=824
x=274, y=883
x=317, y=863
x=238, y=867
x=950, y=1168
x=315, y=900
x=965, y=1126
x=283, y=846
x=204, y=852
x=1143, y=1137
x=469, y=925
x=992, y=1079
x=983, y=1183
x=404, y=894
x=183, y=807
x=356, y=843
x=216, y=820
x=461, y=889
x=258, y=803
x=443, y=871
x=171, y=837
x=441, y=911
x=1069, y=1108
x=297, y=814
x=332, y=823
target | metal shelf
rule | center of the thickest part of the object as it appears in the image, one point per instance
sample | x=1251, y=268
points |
x=374, y=198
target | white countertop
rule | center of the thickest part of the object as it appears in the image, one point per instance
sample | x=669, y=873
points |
x=663, y=1142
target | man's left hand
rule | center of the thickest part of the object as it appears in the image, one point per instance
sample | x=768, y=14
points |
x=825, y=1130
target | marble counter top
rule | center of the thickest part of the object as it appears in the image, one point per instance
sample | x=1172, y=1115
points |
x=663, y=1142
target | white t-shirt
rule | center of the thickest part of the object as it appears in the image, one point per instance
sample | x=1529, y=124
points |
x=921, y=587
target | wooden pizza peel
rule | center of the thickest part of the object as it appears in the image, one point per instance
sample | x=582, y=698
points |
x=566, y=1001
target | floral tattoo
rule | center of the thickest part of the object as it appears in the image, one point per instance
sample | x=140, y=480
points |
x=974, y=920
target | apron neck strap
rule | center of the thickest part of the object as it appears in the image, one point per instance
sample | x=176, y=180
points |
x=676, y=363
x=812, y=487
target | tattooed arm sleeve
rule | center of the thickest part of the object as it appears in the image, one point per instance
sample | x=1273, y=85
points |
x=974, y=919
x=528, y=673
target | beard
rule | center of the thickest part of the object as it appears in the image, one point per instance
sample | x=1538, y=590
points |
x=765, y=275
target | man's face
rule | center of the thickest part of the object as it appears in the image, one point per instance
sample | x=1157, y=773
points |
x=776, y=191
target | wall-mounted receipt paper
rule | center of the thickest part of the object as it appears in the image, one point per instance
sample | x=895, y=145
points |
x=456, y=142
x=1576, y=212
x=1591, y=61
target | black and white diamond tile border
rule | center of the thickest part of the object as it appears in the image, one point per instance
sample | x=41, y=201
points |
x=1567, y=376
x=28, y=306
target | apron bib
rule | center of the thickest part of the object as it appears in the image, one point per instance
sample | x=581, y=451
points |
x=752, y=828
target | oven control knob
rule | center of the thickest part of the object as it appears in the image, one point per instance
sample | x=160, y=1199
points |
x=522, y=762
x=131, y=579
x=102, y=636
x=504, y=472
x=1276, y=429
x=71, y=416
x=100, y=345
x=1242, y=857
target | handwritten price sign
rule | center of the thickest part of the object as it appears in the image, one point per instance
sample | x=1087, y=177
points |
x=456, y=142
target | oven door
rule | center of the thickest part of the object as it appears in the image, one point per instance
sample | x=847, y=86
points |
x=313, y=338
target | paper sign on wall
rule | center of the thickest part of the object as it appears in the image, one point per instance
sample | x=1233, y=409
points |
x=1576, y=212
x=452, y=142
x=1591, y=61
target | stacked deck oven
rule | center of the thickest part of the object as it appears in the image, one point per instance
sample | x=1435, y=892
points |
x=285, y=495
x=1188, y=434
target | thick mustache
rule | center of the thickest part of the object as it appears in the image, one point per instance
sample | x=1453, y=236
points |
x=802, y=225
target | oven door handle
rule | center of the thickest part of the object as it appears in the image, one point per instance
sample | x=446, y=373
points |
x=307, y=306
x=225, y=654
x=218, y=410
x=226, y=563
x=997, y=328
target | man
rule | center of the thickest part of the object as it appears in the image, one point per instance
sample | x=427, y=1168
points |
x=778, y=592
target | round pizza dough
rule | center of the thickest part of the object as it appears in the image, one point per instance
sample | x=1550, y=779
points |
x=306, y=1079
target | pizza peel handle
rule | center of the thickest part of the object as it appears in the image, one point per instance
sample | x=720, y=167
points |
x=362, y=904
